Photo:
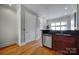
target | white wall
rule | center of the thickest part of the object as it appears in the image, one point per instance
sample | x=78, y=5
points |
x=8, y=26
x=43, y=23
x=77, y=17
x=19, y=24
x=22, y=24
x=29, y=20
x=38, y=28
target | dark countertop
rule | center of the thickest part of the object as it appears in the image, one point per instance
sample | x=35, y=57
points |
x=65, y=33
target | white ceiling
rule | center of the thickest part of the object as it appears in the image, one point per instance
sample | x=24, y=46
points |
x=50, y=11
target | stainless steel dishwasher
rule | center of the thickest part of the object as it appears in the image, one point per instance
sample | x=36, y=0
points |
x=47, y=40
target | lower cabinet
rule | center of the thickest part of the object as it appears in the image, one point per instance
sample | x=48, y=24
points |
x=65, y=44
x=77, y=44
x=62, y=43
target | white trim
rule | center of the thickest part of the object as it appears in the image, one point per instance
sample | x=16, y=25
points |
x=22, y=44
x=7, y=44
x=19, y=23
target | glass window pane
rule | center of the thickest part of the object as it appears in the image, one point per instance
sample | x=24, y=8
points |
x=57, y=28
x=53, y=24
x=63, y=23
x=72, y=24
x=58, y=23
x=52, y=28
x=72, y=27
x=63, y=28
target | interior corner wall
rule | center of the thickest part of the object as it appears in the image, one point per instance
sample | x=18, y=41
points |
x=8, y=26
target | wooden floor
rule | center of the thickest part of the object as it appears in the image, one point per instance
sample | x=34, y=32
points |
x=32, y=48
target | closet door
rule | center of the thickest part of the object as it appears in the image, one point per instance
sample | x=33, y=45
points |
x=30, y=27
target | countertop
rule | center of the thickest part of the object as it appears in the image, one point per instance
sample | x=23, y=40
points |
x=65, y=33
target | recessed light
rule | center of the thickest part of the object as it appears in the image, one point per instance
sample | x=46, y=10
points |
x=10, y=4
x=66, y=8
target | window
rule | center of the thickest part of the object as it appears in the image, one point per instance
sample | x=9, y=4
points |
x=64, y=23
x=57, y=28
x=63, y=28
x=53, y=24
x=59, y=25
x=72, y=24
x=52, y=28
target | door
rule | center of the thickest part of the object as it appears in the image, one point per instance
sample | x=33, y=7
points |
x=30, y=27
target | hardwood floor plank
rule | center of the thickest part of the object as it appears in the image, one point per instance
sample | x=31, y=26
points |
x=32, y=48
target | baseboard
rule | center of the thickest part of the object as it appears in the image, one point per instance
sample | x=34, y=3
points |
x=7, y=44
x=22, y=44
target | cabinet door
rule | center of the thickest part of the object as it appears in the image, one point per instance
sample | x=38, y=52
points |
x=63, y=42
x=68, y=41
x=77, y=43
x=47, y=41
x=57, y=43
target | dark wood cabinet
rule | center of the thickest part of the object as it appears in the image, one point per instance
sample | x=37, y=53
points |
x=57, y=42
x=66, y=44
x=77, y=44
